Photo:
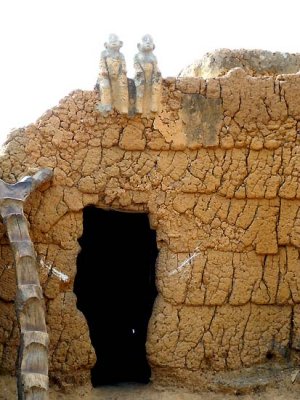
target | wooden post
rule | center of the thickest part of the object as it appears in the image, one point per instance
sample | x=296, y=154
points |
x=32, y=366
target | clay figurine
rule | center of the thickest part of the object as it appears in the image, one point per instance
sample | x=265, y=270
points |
x=112, y=79
x=147, y=77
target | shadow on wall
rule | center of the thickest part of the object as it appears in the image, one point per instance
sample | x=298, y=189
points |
x=115, y=287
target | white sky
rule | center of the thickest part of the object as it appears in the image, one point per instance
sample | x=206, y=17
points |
x=51, y=47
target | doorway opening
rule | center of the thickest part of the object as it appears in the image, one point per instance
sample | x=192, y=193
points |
x=115, y=288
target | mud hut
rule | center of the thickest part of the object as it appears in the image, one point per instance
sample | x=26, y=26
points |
x=167, y=243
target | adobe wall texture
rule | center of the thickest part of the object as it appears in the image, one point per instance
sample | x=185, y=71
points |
x=254, y=62
x=217, y=170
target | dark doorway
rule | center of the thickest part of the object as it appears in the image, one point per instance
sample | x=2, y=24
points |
x=115, y=288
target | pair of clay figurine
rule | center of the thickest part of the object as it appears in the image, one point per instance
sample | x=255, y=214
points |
x=113, y=84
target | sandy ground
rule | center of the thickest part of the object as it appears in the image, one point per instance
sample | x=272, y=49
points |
x=148, y=392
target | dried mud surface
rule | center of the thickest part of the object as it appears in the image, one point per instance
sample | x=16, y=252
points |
x=217, y=171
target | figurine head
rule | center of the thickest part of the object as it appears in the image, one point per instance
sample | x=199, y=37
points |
x=114, y=43
x=147, y=44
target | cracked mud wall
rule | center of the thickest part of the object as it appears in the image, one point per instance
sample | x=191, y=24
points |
x=218, y=172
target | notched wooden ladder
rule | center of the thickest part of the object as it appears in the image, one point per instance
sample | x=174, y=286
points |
x=32, y=367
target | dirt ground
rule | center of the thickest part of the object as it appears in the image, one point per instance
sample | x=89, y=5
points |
x=149, y=392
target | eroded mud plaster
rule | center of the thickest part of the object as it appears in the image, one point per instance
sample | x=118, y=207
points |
x=217, y=170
